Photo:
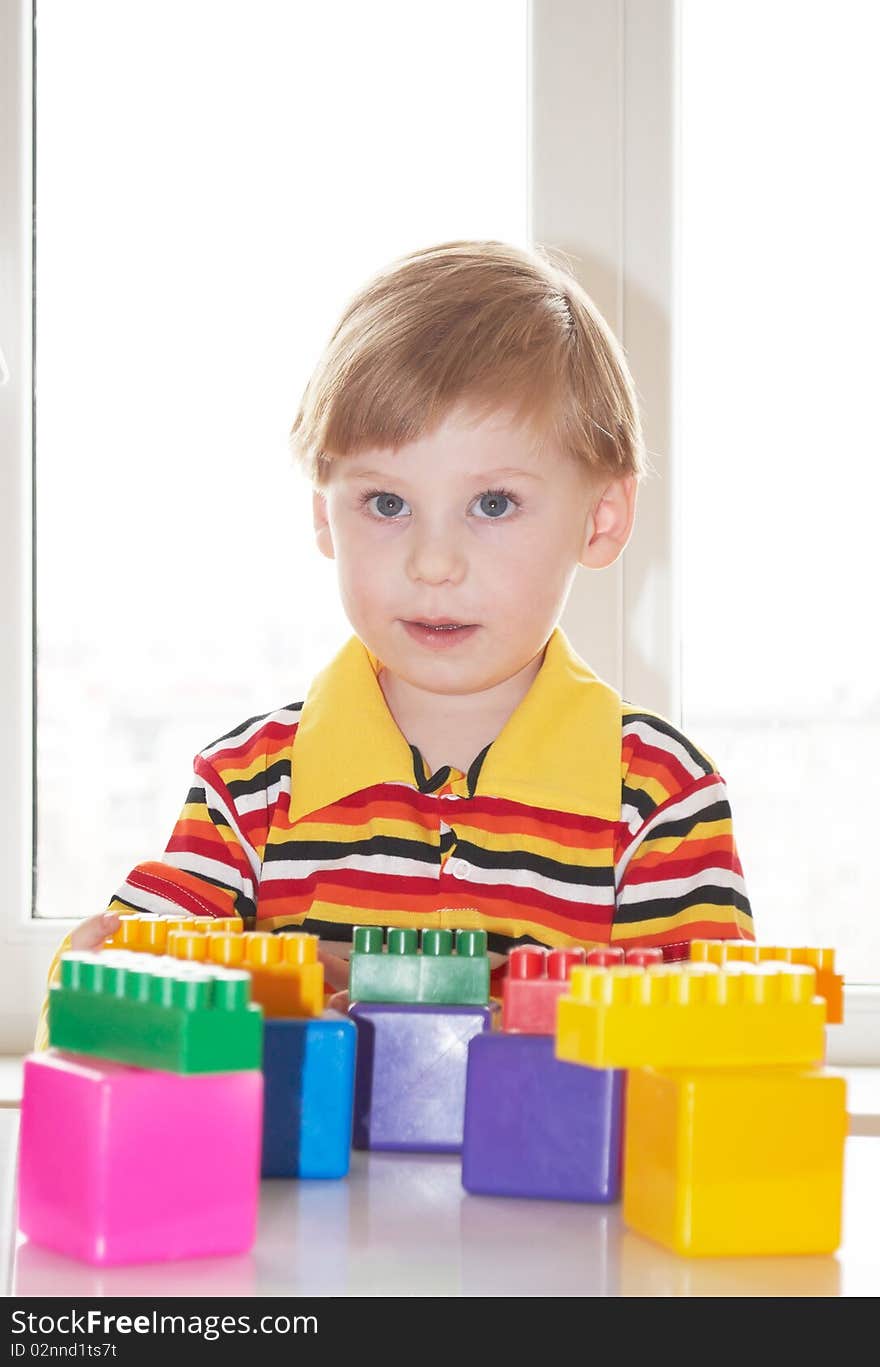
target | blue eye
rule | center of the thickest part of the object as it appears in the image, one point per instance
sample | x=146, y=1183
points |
x=387, y=505
x=495, y=502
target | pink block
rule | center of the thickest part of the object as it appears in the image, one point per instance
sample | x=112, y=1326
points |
x=127, y=1165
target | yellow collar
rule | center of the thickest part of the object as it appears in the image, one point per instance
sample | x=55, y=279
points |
x=559, y=749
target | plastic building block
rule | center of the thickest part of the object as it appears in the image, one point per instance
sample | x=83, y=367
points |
x=828, y=983
x=155, y=1013
x=536, y=1127
x=536, y=979
x=691, y=1015
x=286, y=976
x=147, y=933
x=404, y=972
x=605, y=955
x=735, y=1162
x=308, y=1067
x=127, y=1165
x=411, y=1072
x=642, y=957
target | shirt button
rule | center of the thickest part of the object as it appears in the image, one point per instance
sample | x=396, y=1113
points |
x=458, y=868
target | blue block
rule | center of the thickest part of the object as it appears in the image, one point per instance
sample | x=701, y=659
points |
x=537, y=1126
x=308, y=1067
x=411, y=1069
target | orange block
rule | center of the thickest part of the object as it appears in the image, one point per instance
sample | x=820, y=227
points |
x=828, y=983
x=287, y=978
x=146, y=933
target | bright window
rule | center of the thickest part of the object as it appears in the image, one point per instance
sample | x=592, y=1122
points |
x=213, y=182
x=780, y=297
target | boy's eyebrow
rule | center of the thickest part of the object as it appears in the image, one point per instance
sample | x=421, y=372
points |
x=483, y=474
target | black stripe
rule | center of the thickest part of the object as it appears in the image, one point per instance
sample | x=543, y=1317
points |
x=638, y=798
x=718, y=811
x=660, y=907
x=334, y=930
x=424, y=783
x=448, y=841
x=342, y=849
x=243, y=726
x=132, y=906
x=430, y=785
x=195, y=795
x=237, y=787
x=501, y=861
x=473, y=772
x=666, y=728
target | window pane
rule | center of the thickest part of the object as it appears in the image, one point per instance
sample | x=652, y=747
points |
x=780, y=296
x=213, y=182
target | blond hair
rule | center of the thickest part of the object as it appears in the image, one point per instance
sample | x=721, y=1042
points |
x=479, y=324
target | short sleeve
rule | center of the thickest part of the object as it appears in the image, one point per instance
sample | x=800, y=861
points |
x=678, y=875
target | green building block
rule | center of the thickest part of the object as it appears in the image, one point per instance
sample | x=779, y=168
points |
x=401, y=971
x=156, y=1012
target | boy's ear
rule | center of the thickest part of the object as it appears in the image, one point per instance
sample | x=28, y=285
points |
x=609, y=523
x=322, y=525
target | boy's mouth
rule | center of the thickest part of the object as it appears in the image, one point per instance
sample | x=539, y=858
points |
x=440, y=631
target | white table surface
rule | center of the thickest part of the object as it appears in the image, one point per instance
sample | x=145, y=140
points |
x=403, y=1225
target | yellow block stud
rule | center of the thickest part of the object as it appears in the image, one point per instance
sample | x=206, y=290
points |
x=147, y=932
x=828, y=983
x=735, y=1162
x=188, y=944
x=286, y=977
x=691, y=1015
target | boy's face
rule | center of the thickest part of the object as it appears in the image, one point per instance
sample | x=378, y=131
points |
x=470, y=526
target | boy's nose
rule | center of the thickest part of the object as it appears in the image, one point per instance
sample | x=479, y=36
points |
x=436, y=559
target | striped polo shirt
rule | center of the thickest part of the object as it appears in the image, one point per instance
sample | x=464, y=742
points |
x=587, y=821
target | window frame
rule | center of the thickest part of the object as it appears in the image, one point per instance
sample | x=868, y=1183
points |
x=611, y=64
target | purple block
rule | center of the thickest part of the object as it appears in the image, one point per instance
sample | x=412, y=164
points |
x=410, y=1078
x=537, y=1126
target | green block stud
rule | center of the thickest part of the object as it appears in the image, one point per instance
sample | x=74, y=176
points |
x=445, y=970
x=156, y=1012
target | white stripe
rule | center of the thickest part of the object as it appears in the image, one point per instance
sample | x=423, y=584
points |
x=384, y=865
x=147, y=901
x=286, y=716
x=630, y=817
x=577, y=894
x=211, y=868
x=387, y=866
x=635, y=893
x=659, y=740
x=254, y=802
x=689, y=804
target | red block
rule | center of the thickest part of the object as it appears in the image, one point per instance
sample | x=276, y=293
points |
x=536, y=979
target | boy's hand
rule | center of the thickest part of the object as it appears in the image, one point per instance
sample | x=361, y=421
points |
x=338, y=1002
x=336, y=968
x=94, y=930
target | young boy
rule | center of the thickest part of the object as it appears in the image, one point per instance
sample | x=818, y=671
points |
x=472, y=436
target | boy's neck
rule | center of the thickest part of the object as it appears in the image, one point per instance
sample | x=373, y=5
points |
x=452, y=728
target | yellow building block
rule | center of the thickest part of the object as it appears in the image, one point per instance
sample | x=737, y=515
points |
x=146, y=933
x=735, y=1161
x=828, y=983
x=287, y=978
x=691, y=1015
